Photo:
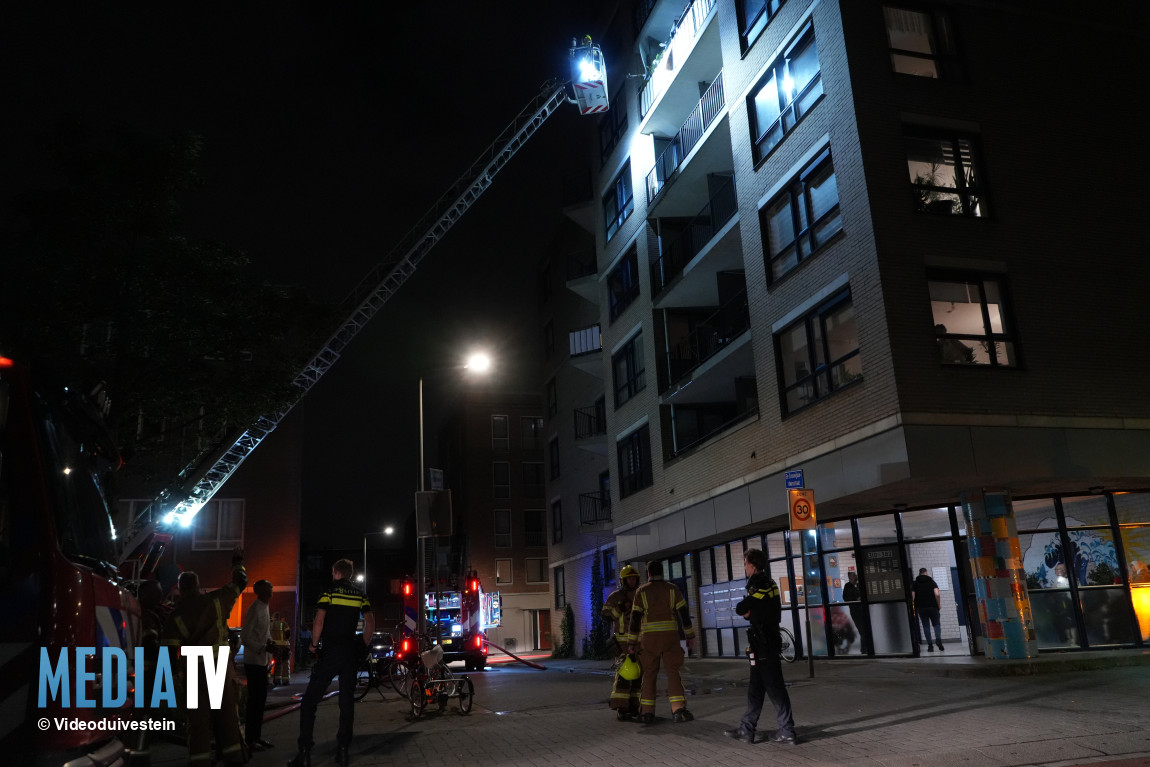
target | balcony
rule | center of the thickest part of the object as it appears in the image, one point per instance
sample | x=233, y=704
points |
x=591, y=427
x=677, y=252
x=688, y=426
x=710, y=336
x=691, y=54
x=594, y=508
x=581, y=270
x=712, y=104
x=586, y=349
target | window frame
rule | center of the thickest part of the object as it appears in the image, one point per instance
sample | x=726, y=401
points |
x=496, y=492
x=500, y=443
x=534, y=475
x=555, y=470
x=548, y=339
x=610, y=566
x=542, y=571
x=816, y=373
x=964, y=189
x=215, y=508
x=621, y=194
x=613, y=125
x=531, y=429
x=506, y=536
x=535, y=538
x=940, y=35
x=793, y=110
x=560, y=587
x=751, y=29
x=551, y=390
x=510, y=569
x=626, y=274
x=989, y=339
x=798, y=194
x=636, y=379
x=633, y=452
x=557, y=521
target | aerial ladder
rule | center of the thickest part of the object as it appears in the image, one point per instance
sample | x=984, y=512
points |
x=199, y=481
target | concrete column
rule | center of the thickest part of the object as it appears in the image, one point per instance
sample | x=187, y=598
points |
x=999, y=580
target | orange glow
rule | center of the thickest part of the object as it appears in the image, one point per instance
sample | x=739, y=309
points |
x=1140, y=596
x=406, y=589
x=6, y=363
x=475, y=585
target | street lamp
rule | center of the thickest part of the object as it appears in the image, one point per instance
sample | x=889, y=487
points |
x=362, y=577
x=479, y=363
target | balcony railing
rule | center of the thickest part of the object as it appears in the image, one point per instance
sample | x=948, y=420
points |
x=581, y=263
x=586, y=340
x=693, y=128
x=709, y=337
x=591, y=421
x=676, y=51
x=594, y=508
x=679, y=250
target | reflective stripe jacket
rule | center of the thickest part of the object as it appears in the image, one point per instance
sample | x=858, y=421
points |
x=766, y=610
x=201, y=619
x=657, y=603
x=617, y=610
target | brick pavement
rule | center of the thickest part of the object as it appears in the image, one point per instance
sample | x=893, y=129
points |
x=1076, y=709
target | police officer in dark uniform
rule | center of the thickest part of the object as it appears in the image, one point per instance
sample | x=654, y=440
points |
x=763, y=609
x=336, y=619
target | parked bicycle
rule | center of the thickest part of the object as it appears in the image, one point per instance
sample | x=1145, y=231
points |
x=426, y=680
x=787, y=650
x=372, y=674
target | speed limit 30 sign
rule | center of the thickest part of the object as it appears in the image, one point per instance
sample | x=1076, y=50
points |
x=801, y=502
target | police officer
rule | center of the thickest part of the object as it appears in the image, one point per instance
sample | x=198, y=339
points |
x=617, y=610
x=201, y=619
x=763, y=609
x=654, y=628
x=337, y=616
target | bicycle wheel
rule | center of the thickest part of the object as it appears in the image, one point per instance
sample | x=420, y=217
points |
x=363, y=680
x=466, y=695
x=399, y=675
x=787, y=651
x=418, y=698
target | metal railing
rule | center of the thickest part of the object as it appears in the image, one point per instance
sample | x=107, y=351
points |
x=709, y=337
x=677, y=49
x=586, y=340
x=590, y=421
x=680, y=249
x=594, y=508
x=709, y=107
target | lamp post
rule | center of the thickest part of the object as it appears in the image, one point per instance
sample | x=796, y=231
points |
x=479, y=363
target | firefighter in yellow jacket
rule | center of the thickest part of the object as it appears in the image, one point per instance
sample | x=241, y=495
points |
x=617, y=610
x=655, y=629
x=201, y=619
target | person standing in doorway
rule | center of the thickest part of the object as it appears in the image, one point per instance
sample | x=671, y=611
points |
x=928, y=607
x=257, y=641
x=764, y=609
x=336, y=619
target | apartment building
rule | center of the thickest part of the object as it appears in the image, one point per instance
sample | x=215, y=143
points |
x=874, y=245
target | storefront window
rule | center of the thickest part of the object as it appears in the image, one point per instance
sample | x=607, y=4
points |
x=1036, y=514
x=779, y=575
x=1043, y=561
x=1132, y=507
x=1106, y=615
x=800, y=581
x=877, y=529
x=1054, y=623
x=776, y=545
x=1136, y=544
x=836, y=535
x=705, y=576
x=1093, y=559
x=1085, y=511
x=926, y=523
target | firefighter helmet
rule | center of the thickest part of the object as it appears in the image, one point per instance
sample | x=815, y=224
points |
x=627, y=572
x=630, y=670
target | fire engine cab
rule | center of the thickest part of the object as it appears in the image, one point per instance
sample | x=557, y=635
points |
x=456, y=620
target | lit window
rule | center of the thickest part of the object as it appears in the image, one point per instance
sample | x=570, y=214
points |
x=618, y=201
x=970, y=322
x=791, y=87
x=219, y=526
x=944, y=174
x=504, y=574
x=754, y=15
x=920, y=42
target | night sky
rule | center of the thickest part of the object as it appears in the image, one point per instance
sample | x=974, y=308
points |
x=329, y=128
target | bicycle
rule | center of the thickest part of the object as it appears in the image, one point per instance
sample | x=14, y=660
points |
x=369, y=675
x=427, y=680
x=787, y=649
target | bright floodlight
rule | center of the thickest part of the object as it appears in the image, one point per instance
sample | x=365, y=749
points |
x=388, y=530
x=478, y=363
x=359, y=577
x=588, y=70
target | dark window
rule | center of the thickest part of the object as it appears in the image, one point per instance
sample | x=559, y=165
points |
x=635, y=462
x=552, y=399
x=499, y=438
x=560, y=588
x=613, y=125
x=945, y=174
x=802, y=218
x=819, y=353
x=536, y=569
x=623, y=283
x=920, y=42
x=532, y=426
x=618, y=201
x=553, y=456
x=533, y=482
x=502, y=528
x=971, y=323
x=630, y=376
x=791, y=87
x=501, y=479
x=610, y=572
x=548, y=339
x=534, y=527
x=754, y=15
x=557, y=522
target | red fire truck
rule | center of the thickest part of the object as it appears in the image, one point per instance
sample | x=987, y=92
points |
x=456, y=620
x=58, y=589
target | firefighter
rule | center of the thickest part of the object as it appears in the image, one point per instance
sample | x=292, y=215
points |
x=201, y=619
x=280, y=636
x=655, y=630
x=617, y=610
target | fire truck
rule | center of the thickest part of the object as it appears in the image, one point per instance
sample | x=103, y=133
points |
x=58, y=589
x=456, y=620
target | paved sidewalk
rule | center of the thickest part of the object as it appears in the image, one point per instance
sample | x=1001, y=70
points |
x=1059, y=710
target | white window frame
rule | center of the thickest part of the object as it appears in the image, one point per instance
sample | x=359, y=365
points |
x=542, y=572
x=211, y=516
x=510, y=572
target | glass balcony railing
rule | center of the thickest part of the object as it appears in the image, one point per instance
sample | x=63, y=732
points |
x=676, y=50
x=701, y=117
x=678, y=250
